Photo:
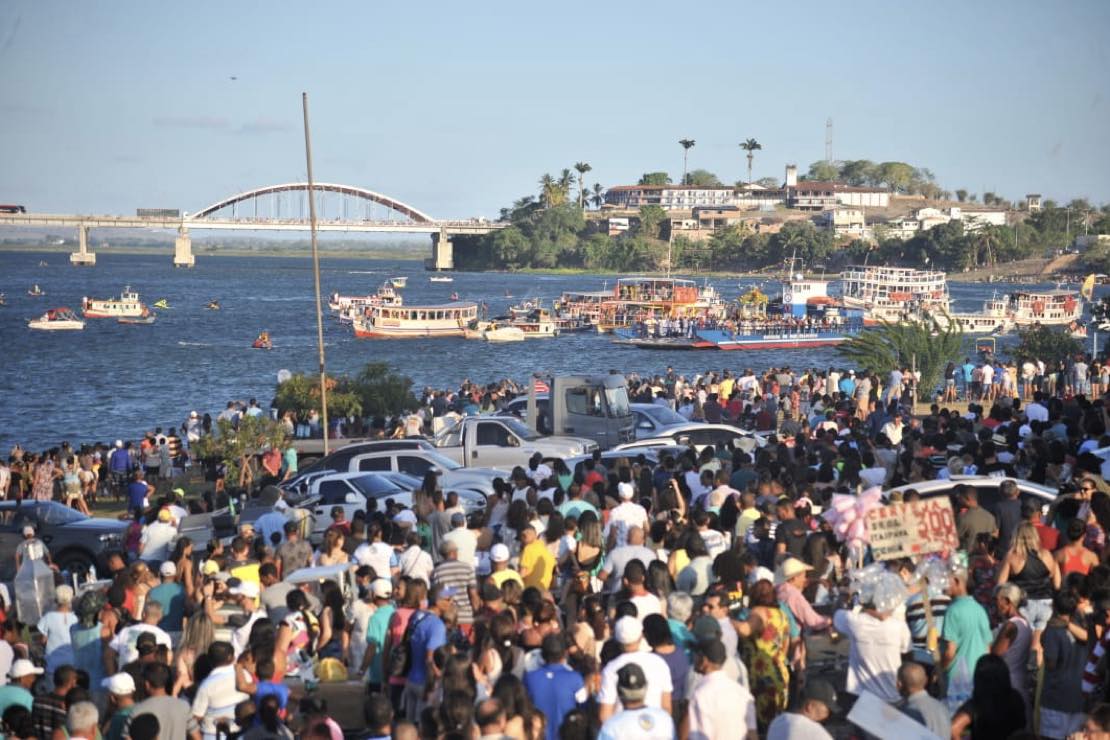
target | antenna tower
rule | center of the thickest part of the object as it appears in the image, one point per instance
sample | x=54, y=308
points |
x=828, y=140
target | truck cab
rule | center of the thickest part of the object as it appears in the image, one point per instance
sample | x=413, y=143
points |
x=591, y=406
x=502, y=442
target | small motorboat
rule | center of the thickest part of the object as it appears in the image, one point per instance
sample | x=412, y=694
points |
x=213, y=306
x=263, y=341
x=455, y=296
x=399, y=282
x=36, y=291
x=162, y=304
x=508, y=293
x=42, y=263
x=57, y=319
x=441, y=279
x=3, y=300
x=146, y=318
x=497, y=333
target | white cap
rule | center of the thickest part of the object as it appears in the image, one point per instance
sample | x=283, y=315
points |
x=499, y=553
x=628, y=630
x=24, y=667
x=168, y=568
x=246, y=588
x=405, y=516
x=381, y=588
x=120, y=684
x=626, y=491
x=28, y=531
x=193, y=414
x=119, y=443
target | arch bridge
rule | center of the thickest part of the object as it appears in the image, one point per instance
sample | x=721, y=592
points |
x=283, y=207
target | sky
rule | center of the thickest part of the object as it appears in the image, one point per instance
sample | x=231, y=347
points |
x=459, y=108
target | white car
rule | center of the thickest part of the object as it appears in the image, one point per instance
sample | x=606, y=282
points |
x=700, y=436
x=417, y=462
x=653, y=420
x=352, y=491
x=985, y=486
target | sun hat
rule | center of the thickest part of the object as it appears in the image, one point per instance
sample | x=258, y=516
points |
x=792, y=567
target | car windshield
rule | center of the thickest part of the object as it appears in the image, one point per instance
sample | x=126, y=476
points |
x=663, y=415
x=441, y=461
x=519, y=429
x=54, y=513
x=375, y=486
x=617, y=400
x=405, y=481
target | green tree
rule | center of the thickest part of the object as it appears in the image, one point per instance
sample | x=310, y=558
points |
x=382, y=391
x=897, y=176
x=750, y=146
x=770, y=183
x=859, y=172
x=823, y=171
x=686, y=145
x=235, y=447
x=801, y=240
x=923, y=345
x=583, y=168
x=651, y=221
x=1044, y=343
x=702, y=179
x=655, y=178
x=961, y=195
x=598, y=198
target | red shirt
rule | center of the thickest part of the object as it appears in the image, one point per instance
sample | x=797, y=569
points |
x=1050, y=536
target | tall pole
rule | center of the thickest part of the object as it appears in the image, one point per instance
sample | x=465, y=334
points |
x=316, y=274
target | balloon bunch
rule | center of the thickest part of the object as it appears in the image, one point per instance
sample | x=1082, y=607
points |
x=876, y=586
x=848, y=515
x=934, y=570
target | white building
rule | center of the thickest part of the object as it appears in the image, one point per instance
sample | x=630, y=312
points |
x=820, y=196
x=668, y=197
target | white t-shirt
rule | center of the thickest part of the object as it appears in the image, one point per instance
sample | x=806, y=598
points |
x=875, y=652
x=466, y=541
x=124, y=642
x=717, y=705
x=377, y=555
x=624, y=517
x=540, y=474
x=656, y=672
x=647, y=604
x=645, y=723
x=156, y=541
x=7, y=655
x=790, y=726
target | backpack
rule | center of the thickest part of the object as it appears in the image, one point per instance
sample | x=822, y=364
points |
x=400, y=657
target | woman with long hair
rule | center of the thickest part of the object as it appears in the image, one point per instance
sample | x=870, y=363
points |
x=495, y=650
x=415, y=590
x=995, y=709
x=767, y=633
x=297, y=636
x=199, y=633
x=331, y=549
x=334, y=637
x=524, y=722
x=182, y=557
x=1035, y=571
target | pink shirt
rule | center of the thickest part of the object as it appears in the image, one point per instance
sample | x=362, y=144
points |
x=801, y=609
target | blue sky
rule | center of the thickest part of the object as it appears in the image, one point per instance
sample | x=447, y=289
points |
x=458, y=108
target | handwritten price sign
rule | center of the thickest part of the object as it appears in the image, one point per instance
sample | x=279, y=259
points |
x=907, y=530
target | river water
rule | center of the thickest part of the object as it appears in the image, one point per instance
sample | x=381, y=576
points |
x=113, y=380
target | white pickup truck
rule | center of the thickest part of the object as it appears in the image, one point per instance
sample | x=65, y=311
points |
x=503, y=442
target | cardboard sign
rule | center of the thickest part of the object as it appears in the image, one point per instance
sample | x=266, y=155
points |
x=874, y=715
x=911, y=529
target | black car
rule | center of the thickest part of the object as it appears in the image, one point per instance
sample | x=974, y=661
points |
x=75, y=541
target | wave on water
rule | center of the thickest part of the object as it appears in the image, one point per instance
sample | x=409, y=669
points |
x=362, y=272
x=181, y=343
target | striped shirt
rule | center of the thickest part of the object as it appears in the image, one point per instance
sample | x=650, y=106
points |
x=459, y=576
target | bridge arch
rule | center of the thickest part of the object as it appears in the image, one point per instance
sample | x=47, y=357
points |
x=396, y=205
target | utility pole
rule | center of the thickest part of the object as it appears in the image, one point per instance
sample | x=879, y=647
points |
x=316, y=275
x=828, y=140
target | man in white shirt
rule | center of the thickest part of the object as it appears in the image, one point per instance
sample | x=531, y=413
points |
x=217, y=697
x=157, y=536
x=720, y=708
x=246, y=594
x=657, y=675
x=612, y=570
x=272, y=522
x=893, y=429
x=1037, y=411
x=464, y=539
x=624, y=516
x=816, y=704
x=876, y=645
x=636, y=719
x=377, y=554
x=122, y=647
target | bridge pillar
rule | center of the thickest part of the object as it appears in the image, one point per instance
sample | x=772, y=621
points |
x=443, y=253
x=82, y=257
x=183, y=249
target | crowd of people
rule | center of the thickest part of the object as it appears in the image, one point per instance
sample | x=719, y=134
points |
x=688, y=594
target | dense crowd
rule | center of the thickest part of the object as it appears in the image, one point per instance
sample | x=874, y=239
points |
x=684, y=595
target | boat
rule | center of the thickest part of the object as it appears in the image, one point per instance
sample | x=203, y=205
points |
x=43, y=263
x=399, y=282
x=637, y=299
x=662, y=342
x=162, y=304
x=804, y=317
x=262, y=341
x=497, y=333
x=403, y=322
x=441, y=279
x=57, y=319
x=1022, y=308
x=1077, y=330
x=455, y=295
x=893, y=294
x=537, y=324
x=149, y=318
x=36, y=291
x=386, y=295
x=213, y=306
x=128, y=304
x=3, y=300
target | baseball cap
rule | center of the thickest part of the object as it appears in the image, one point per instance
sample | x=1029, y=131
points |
x=246, y=588
x=706, y=628
x=381, y=588
x=168, y=568
x=121, y=684
x=631, y=681
x=28, y=531
x=24, y=667
x=193, y=414
x=628, y=630
x=499, y=553
x=119, y=443
x=281, y=506
x=714, y=651
x=179, y=492
x=626, y=491
x=210, y=568
x=818, y=689
x=146, y=643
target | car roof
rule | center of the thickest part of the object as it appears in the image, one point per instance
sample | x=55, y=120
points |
x=934, y=487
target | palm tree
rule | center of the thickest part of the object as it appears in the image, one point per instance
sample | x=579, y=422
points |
x=583, y=168
x=750, y=146
x=686, y=145
x=598, y=196
x=566, y=180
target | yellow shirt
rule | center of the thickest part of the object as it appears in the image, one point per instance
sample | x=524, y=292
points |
x=537, y=559
x=508, y=574
x=726, y=390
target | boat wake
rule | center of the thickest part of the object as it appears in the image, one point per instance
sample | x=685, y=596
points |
x=193, y=344
x=362, y=272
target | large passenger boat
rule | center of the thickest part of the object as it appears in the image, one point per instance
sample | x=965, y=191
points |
x=639, y=299
x=404, y=322
x=127, y=305
x=1055, y=307
x=893, y=294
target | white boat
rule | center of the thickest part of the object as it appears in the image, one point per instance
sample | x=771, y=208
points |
x=893, y=293
x=399, y=282
x=402, y=322
x=503, y=334
x=57, y=319
x=441, y=279
x=127, y=305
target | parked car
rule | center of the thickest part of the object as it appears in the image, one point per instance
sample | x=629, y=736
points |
x=352, y=491
x=653, y=420
x=700, y=436
x=340, y=459
x=417, y=462
x=985, y=486
x=76, y=542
